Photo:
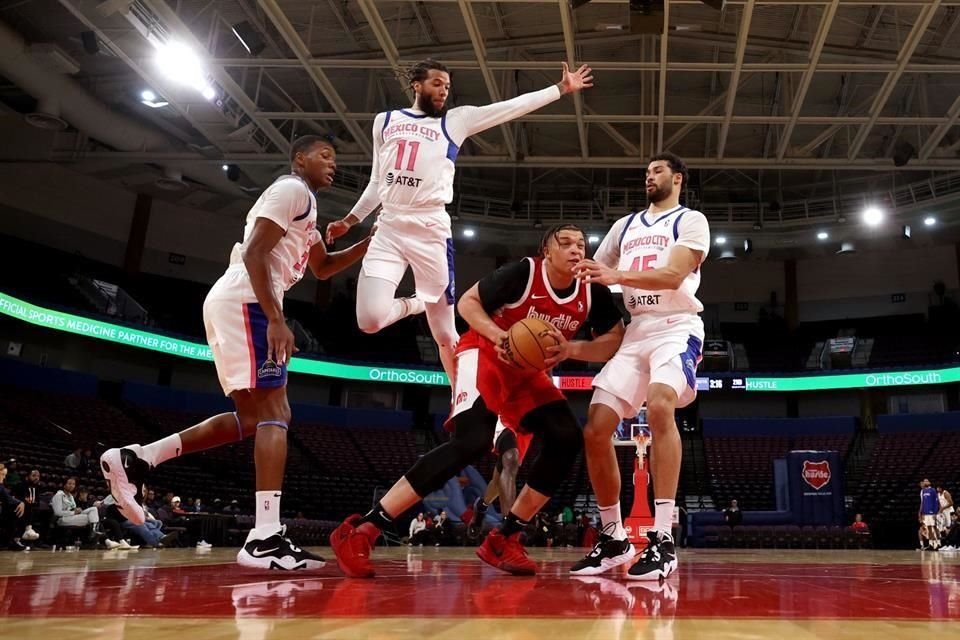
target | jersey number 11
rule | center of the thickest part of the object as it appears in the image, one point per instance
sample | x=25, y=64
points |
x=411, y=158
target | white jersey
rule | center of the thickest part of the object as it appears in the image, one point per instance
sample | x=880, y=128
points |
x=290, y=204
x=414, y=154
x=643, y=241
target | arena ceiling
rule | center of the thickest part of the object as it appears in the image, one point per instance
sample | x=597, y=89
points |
x=791, y=112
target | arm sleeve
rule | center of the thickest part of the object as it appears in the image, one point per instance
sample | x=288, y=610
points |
x=283, y=201
x=694, y=232
x=370, y=199
x=503, y=286
x=463, y=122
x=608, y=253
x=604, y=314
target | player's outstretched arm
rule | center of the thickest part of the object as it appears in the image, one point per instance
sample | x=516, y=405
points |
x=370, y=198
x=682, y=262
x=464, y=122
x=324, y=264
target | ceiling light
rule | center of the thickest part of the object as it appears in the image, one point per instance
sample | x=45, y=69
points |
x=148, y=96
x=224, y=167
x=182, y=65
x=469, y=233
x=721, y=240
x=872, y=216
x=822, y=235
x=929, y=221
x=593, y=239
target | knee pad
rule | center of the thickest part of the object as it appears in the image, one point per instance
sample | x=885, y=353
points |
x=473, y=431
x=562, y=439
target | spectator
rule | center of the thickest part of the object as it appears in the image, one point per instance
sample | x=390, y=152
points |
x=150, y=501
x=567, y=514
x=68, y=514
x=951, y=542
x=150, y=533
x=75, y=460
x=34, y=518
x=859, y=526
x=88, y=463
x=232, y=509
x=13, y=477
x=11, y=515
x=175, y=507
x=418, y=531
x=443, y=530
x=732, y=514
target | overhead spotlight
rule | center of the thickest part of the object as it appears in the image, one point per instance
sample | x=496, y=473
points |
x=822, y=235
x=182, y=65
x=593, y=239
x=469, y=233
x=225, y=167
x=149, y=98
x=929, y=221
x=847, y=247
x=747, y=246
x=727, y=254
x=906, y=231
x=249, y=37
x=872, y=216
x=720, y=241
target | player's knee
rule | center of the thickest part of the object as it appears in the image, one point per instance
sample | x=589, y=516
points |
x=596, y=436
x=369, y=321
x=660, y=409
x=510, y=460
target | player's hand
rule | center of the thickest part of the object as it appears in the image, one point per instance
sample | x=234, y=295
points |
x=592, y=271
x=559, y=352
x=280, y=345
x=502, y=346
x=336, y=229
x=576, y=80
x=19, y=510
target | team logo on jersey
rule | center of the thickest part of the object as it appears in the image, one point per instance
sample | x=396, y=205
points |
x=643, y=300
x=580, y=306
x=816, y=474
x=461, y=397
x=401, y=180
x=269, y=369
x=390, y=178
x=563, y=322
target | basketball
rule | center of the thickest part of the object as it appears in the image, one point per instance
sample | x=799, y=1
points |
x=529, y=339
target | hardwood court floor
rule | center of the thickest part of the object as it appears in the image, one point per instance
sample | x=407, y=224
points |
x=429, y=593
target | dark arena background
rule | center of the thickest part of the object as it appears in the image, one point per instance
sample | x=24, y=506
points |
x=823, y=140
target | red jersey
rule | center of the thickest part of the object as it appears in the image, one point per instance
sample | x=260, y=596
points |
x=538, y=301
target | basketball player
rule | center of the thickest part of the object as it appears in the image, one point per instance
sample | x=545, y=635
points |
x=414, y=151
x=488, y=385
x=510, y=448
x=946, y=508
x=655, y=255
x=252, y=346
x=929, y=509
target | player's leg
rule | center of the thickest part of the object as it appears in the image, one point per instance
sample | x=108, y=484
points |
x=672, y=384
x=377, y=308
x=353, y=540
x=613, y=548
x=443, y=326
x=508, y=464
x=431, y=260
x=481, y=504
x=267, y=546
x=562, y=439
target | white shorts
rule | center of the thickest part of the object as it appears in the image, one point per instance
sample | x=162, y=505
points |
x=423, y=243
x=663, y=349
x=237, y=335
x=930, y=520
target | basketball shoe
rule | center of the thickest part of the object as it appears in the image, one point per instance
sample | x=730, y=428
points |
x=479, y=513
x=657, y=561
x=125, y=472
x=352, y=543
x=506, y=553
x=606, y=554
x=276, y=551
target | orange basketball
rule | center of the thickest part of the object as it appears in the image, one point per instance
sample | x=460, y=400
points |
x=527, y=346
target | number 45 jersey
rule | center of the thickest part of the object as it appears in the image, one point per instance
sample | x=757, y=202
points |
x=643, y=241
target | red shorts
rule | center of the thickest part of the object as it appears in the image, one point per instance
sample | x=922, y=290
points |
x=507, y=392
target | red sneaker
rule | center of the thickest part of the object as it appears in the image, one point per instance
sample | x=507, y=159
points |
x=352, y=544
x=506, y=553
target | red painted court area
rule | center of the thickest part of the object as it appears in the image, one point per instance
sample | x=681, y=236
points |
x=429, y=584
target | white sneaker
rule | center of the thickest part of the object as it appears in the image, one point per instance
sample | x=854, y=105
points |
x=276, y=551
x=126, y=471
x=29, y=534
x=112, y=544
x=203, y=544
x=126, y=546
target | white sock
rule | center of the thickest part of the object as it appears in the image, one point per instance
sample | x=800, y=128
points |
x=611, y=515
x=162, y=450
x=663, y=516
x=268, y=510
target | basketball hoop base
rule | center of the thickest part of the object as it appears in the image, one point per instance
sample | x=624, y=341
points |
x=637, y=528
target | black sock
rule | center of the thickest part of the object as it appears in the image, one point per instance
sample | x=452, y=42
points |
x=378, y=517
x=512, y=524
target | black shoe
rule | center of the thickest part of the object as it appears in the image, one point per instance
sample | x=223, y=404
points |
x=606, y=554
x=16, y=545
x=276, y=552
x=657, y=561
x=168, y=540
x=479, y=513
